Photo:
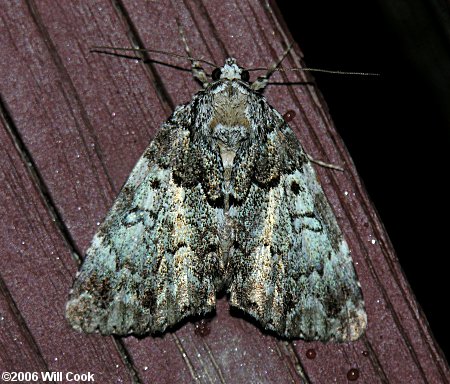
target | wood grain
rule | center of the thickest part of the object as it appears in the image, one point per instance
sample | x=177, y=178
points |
x=74, y=124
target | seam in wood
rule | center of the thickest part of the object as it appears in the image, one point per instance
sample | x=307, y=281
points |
x=294, y=358
x=23, y=325
x=136, y=40
x=67, y=80
x=375, y=361
x=202, y=9
x=38, y=180
x=203, y=364
x=185, y=357
x=127, y=360
x=214, y=363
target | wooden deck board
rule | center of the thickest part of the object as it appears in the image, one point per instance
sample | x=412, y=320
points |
x=16, y=343
x=36, y=267
x=84, y=119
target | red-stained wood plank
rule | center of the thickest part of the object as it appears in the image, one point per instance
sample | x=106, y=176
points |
x=85, y=119
x=35, y=268
x=16, y=343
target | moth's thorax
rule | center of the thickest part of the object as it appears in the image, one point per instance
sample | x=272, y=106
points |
x=230, y=100
x=229, y=123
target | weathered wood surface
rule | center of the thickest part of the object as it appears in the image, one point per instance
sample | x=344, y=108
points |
x=73, y=125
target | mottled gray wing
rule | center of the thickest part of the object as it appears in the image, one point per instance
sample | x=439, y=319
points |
x=291, y=268
x=154, y=259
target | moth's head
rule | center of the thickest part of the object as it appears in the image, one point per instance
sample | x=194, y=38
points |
x=230, y=71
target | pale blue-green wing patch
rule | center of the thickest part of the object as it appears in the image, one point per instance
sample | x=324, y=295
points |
x=291, y=268
x=154, y=260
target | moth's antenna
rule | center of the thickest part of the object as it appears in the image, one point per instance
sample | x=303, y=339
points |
x=104, y=47
x=197, y=70
x=261, y=82
x=334, y=72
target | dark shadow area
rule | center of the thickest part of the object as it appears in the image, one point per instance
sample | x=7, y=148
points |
x=395, y=126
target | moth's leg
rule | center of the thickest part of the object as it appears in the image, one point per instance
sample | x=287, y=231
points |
x=324, y=164
x=261, y=82
x=197, y=70
x=308, y=156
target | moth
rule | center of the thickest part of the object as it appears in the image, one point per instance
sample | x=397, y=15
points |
x=223, y=199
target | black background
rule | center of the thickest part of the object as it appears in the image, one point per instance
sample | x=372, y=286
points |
x=396, y=126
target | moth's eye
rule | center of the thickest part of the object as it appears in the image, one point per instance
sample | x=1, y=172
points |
x=245, y=76
x=216, y=74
